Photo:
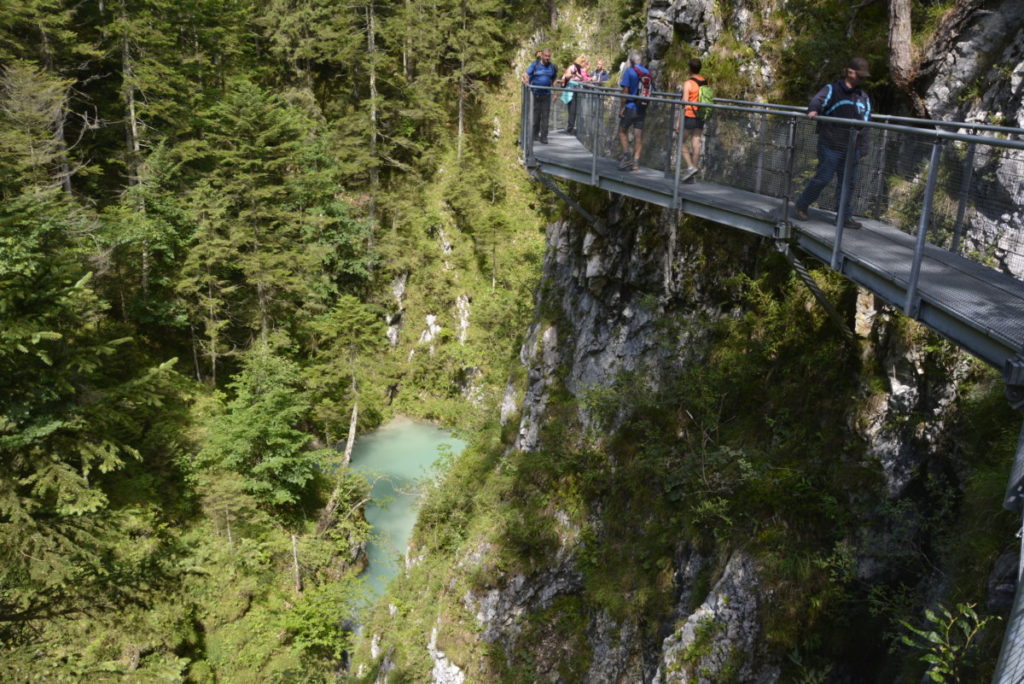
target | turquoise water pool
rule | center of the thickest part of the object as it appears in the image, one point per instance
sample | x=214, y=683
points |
x=396, y=458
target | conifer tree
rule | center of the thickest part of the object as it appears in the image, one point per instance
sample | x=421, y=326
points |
x=257, y=436
x=69, y=417
x=32, y=110
x=272, y=242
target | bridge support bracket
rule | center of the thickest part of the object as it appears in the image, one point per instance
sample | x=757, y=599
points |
x=783, y=231
x=1013, y=373
x=596, y=224
x=913, y=308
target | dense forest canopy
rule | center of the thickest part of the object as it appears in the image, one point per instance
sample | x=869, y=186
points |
x=204, y=207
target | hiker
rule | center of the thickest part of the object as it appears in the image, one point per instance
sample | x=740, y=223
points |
x=541, y=72
x=600, y=74
x=844, y=99
x=693, y=121
x=573, y=77
x=636, y=80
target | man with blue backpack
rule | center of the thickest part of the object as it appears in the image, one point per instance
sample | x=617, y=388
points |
x=541, y=72
x=635, y=80
x=842, y=99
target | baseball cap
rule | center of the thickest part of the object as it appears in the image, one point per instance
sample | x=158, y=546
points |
x=860, y=65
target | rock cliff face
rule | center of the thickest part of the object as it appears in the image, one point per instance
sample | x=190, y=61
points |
x=610, y=290
x=980, y=78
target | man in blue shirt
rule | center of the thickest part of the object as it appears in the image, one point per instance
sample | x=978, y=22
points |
x=541, y=73
x=632, y=112
x=843, y=99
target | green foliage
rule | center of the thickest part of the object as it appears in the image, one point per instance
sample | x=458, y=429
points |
x=71, y=414
x=809, y=59
x=947, y=640
x=272, y=244
x=347, y=341
x=32, y=109
x=257, y=436
x=321, y=620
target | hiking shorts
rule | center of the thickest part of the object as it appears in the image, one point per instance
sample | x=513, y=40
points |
x=691, y=123
x=634, y=117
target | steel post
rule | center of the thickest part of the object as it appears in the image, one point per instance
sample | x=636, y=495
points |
x=844, y=194
x=910, y=305
x=599, y=116
x=762, y=132
x=524, y=123
x=965, y=187
x=790, y=160
x=680, y=140
x=880, y=174
x=670, y=139
x=529, y=117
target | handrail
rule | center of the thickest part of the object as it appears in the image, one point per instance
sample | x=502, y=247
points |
x=891, y=117
x=777, y=111
x=1012, y=130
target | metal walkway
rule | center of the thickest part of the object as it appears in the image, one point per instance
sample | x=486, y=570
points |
x=942, y=236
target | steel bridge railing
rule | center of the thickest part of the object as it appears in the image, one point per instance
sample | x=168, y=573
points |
x=959, y=192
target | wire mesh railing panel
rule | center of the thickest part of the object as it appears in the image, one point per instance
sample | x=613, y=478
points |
x=993, y=225
x=899, y=167
x=748, y=151
x=977, y=184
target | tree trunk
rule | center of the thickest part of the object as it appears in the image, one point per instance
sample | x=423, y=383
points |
x=351, y=436
x=406, y=66
x=371, y=65
x=195, y=352
x=131, y=129
x=211, y=324
x=902, y=64
x=58, y=133
x=295, y=560
x=462, y=86
x=327, y=517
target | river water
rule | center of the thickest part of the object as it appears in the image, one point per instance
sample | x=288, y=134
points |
x=396, y=458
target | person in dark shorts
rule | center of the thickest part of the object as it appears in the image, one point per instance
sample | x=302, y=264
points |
x=541, y=72
x=632, y=112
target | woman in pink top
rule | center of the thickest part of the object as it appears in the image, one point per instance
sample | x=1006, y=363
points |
x=573, y=77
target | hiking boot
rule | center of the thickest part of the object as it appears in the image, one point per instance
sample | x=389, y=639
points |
x=850, y=224
x=688, y=174
x=801, y=213
x=625, y=164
